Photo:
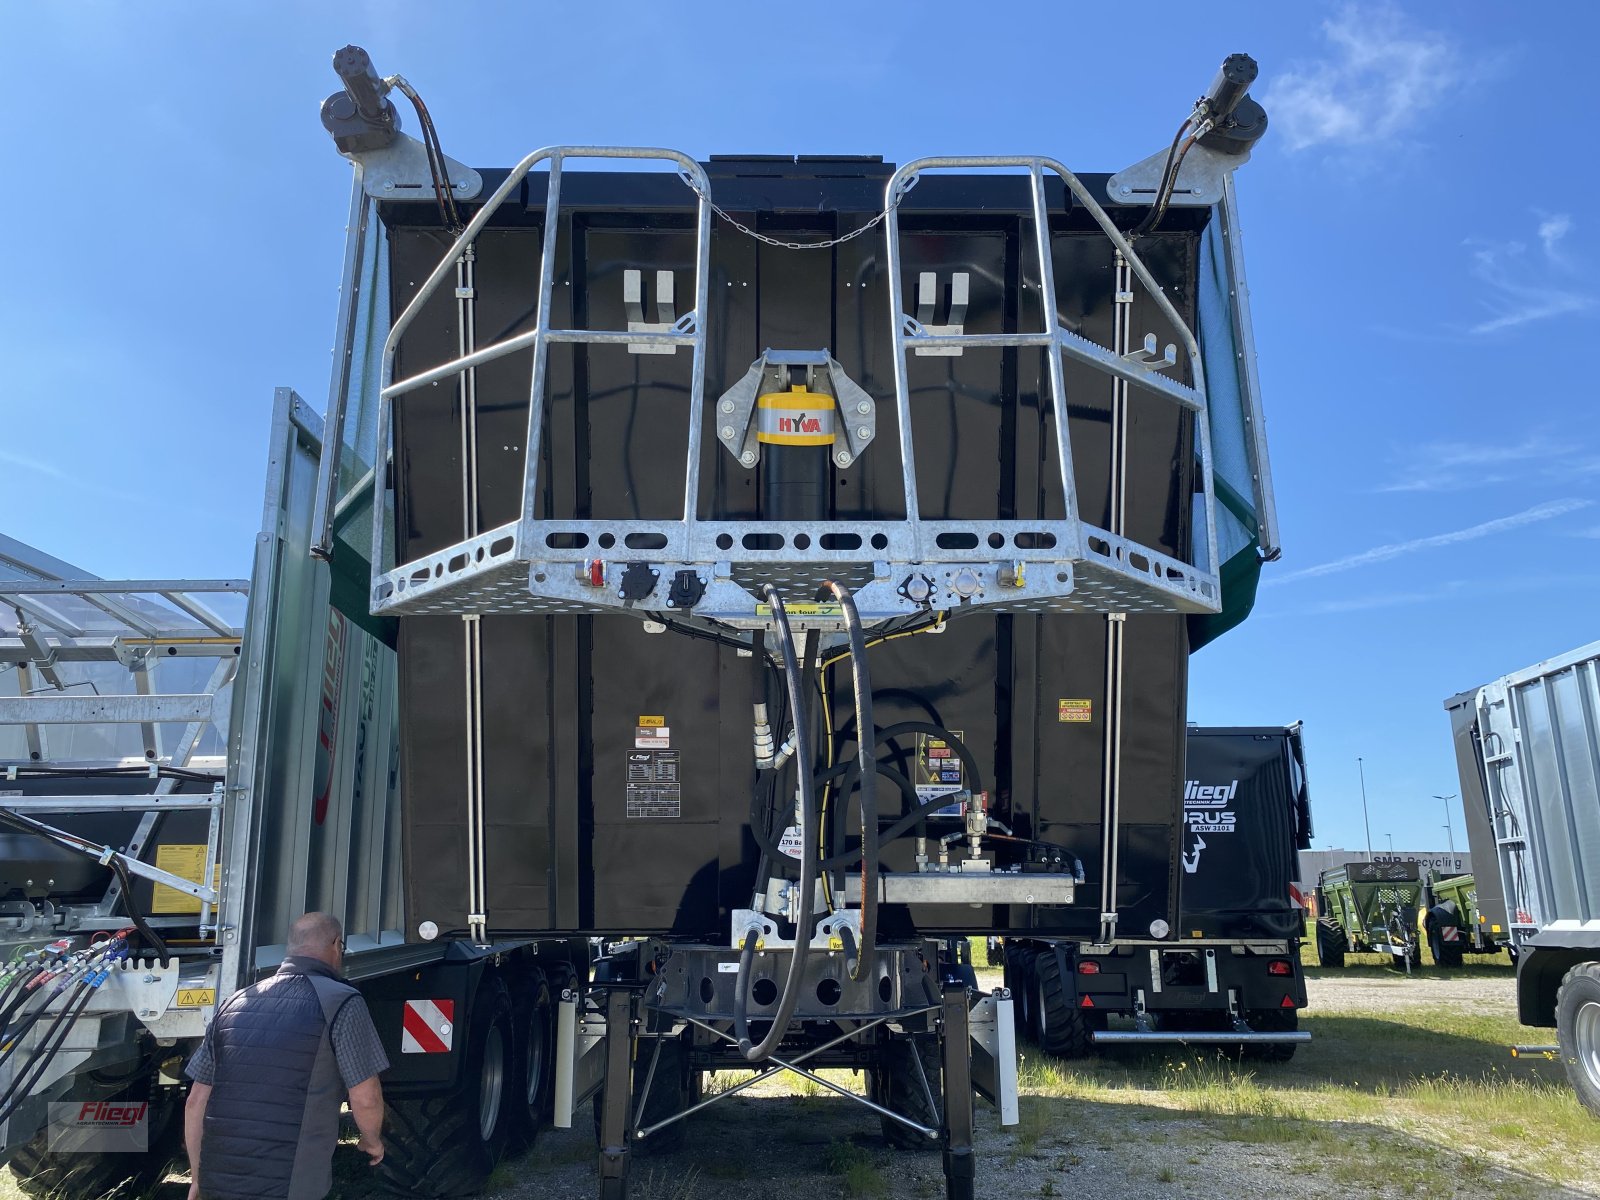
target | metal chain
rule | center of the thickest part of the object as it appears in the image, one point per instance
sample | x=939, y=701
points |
x=779, y=242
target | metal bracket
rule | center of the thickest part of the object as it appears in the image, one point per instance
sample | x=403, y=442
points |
x=857, y=420
x=994, y=1053
x=1148, y=356
x=927, y=304
x=1200, y=178
x=580, y=1057
x=666, y=311
x=399, y=171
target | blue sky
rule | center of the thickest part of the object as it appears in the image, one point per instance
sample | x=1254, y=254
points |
x=1421, y=254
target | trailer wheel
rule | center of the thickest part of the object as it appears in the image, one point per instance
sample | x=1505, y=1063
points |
x=897, y=1086
x=1578, y=1031
x=528, y=1105
x=1330, y=943
x=447, y=1143
x=1271, y=1020
x=1063, y=1029
x=89, y=1176
x=1445, y=954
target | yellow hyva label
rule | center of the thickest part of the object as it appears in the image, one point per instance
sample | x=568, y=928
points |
x=652, y=722
x=195, y=997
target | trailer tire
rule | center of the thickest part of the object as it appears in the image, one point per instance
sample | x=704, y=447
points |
x=896, y=1085
x=1578, y=1031
x=1330, y=943
x=1271, y=1020
x=86, y=1176
x=1445, y=955
x=528, y=1103
x=447, y=1143
x=1063, y=1028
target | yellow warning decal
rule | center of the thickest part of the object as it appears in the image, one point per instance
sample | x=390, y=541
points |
x=652, y=722
x=1075, y=712
x=184, y=859
x=195, y=997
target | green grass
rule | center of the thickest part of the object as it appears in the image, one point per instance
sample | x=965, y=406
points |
x=855, y=1168
x=1419, y=1101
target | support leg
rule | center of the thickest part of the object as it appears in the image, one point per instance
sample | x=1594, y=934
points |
x=960, y=1168
x=615, y=1102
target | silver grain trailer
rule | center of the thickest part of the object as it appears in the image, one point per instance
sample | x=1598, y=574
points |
x=1536, y=733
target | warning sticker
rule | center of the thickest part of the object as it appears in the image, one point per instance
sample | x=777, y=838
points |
x=654, y=788
x=1075, y=712
x=652, y=737
x=938, y=772
x=195, y=997
x=188, y=861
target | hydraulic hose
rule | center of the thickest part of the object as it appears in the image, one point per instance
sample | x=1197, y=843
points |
x=849, y=772
x=33, y=1070
x=83, y=846
x=869, y=778
x=808, y=863
x=974, y=774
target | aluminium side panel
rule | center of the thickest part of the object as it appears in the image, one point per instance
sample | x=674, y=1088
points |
x=312, y=818
x=1485, y=853
x=1541, y=751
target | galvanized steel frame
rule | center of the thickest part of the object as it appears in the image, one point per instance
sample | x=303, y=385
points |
x=529, y=565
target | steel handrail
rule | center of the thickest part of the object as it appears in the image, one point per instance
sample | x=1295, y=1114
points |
x=541, y=335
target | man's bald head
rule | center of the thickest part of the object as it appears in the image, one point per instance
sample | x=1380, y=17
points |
x=318, y=935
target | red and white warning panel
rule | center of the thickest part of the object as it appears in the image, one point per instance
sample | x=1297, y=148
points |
x=428, y=1027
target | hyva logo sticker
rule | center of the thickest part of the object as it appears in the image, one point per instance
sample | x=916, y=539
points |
x=1206, y=809
x=99, y=1127
x=800, y=423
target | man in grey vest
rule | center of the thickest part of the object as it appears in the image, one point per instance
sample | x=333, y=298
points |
x=263, y=1112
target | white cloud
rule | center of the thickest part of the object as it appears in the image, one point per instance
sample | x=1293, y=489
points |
x=1378, y=554
x=1592, y=532
x=1381, y=77
x=1448, y=592
x=1551, y=230
x=1457, y=466
x=1521, y=289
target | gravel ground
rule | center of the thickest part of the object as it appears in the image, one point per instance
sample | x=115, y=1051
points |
x=1486, y=991
x=754, y=1148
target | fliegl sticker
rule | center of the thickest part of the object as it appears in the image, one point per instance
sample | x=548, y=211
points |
x=1207, y=808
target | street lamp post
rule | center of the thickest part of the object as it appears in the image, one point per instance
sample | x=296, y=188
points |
x=1448, y=832
x=1365, y=820
x=1390, y=836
